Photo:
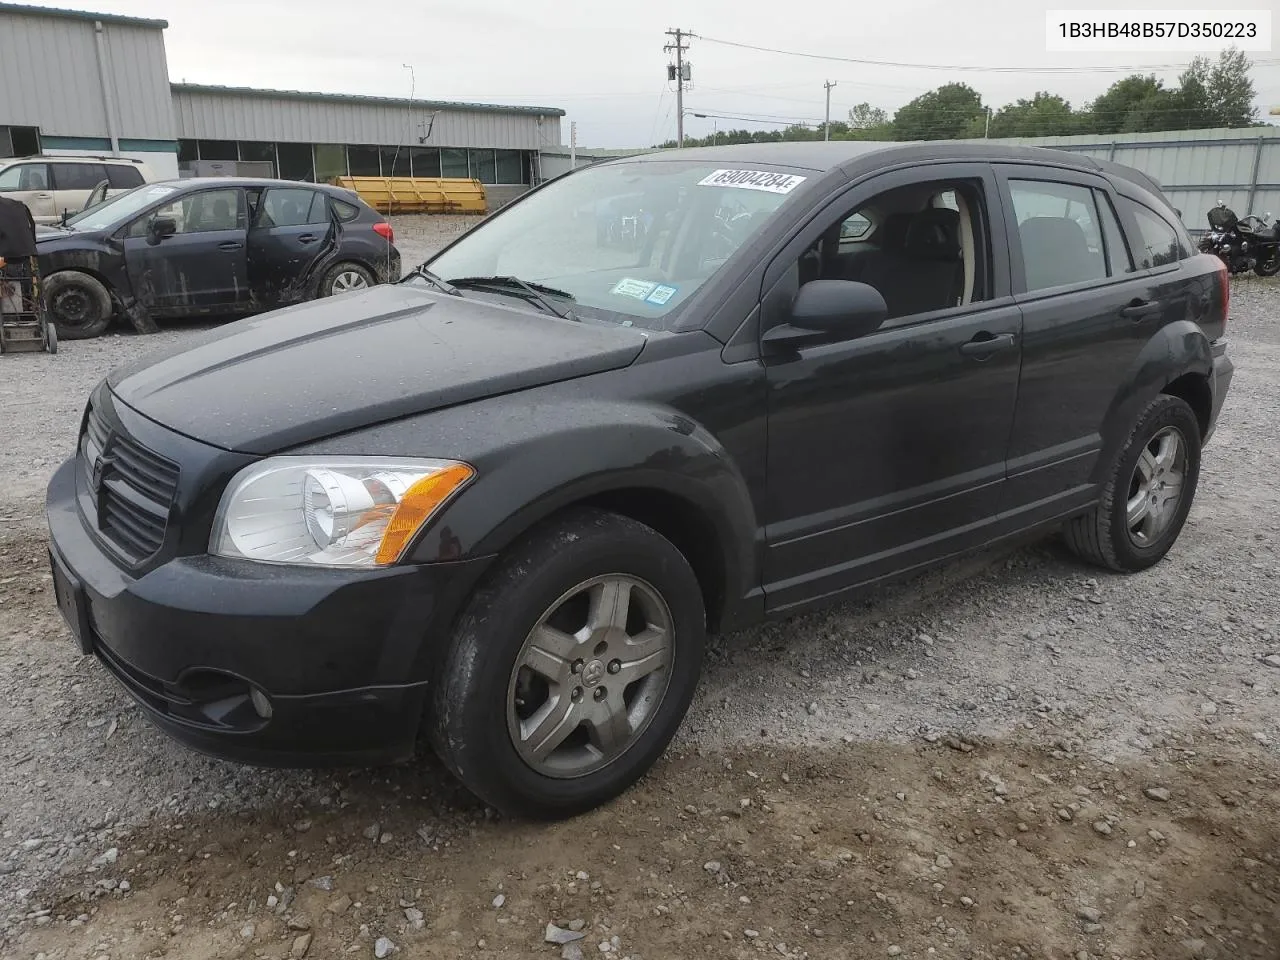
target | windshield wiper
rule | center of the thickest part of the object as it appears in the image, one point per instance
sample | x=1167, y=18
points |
x=435, y=281
x=532, y=291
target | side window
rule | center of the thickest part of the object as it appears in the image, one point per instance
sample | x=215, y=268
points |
x=319, y=209
x=1118, y=259
x=920, y=256
x=198, y=213
x=1157, y=241
x=78, y=176
x=122, y=176
x=346, y=211
x=25, y=176
x=1058, y=233
x=285, y=208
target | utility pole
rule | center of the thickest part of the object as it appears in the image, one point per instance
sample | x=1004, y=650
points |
x=680, y=73
x=826, y=127
x=987, y=130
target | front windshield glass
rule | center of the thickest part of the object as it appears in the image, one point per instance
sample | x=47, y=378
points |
x=627, y=242
x=118, y=209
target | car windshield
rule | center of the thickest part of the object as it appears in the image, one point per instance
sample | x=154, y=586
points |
x=627, y=242
x=117, y=210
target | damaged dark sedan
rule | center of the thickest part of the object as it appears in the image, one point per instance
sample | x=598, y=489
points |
x=209, y=247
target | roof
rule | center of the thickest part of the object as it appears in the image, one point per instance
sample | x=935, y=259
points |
x=184, y=183
x=84, y=15
x=373, y=101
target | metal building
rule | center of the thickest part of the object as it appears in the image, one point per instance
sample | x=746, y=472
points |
x=75, y=82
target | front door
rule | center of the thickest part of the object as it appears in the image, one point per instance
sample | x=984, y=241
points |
x=888, y=451
x=1087, y=314
x=292, y=231
x=29, y=183
x=202, y=266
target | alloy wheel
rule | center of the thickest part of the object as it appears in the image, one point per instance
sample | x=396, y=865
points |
x=347, y=281
x=1155, y=490
x=590, y=676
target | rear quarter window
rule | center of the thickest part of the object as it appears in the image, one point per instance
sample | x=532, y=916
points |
x=123, y=176
x=345, y=211
x=1158, y=242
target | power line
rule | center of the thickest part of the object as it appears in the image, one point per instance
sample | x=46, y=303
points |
x=953, y=67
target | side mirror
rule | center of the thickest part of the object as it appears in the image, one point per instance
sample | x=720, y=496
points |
x=829, y=310
x=162, y=227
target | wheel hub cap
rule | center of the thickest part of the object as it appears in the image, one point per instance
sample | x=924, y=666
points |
x=1155, y=490
x=590, y=676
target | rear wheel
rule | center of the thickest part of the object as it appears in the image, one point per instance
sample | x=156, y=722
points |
x=78, y=303
x=572, y=667
x=1270, y=267
x=344, y=278
x=1148, y=494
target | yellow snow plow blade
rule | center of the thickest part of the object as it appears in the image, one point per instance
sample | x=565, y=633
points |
x=418, y=194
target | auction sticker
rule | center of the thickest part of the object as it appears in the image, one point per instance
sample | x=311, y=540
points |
x=660, y=295
x=635, y=289
x=752, y=180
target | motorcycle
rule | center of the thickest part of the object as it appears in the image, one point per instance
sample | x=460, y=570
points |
x=1243, y=244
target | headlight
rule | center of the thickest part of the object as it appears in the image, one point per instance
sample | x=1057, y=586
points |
x=359, y=512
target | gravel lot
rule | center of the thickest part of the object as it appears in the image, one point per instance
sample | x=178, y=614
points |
x=1016, y=756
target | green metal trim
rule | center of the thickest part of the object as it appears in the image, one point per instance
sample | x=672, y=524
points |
x=150, y=146
x=84, y=15
x=352, y=98
x=48, y=142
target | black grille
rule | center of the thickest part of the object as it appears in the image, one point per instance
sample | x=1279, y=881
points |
x=130, y=487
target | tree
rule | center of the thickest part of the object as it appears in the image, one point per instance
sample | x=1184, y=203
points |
x=1230, y=90
x=941, y=114
x=866, y=117
x=1044, y=115
x=1194, y=110
x=1134, y=104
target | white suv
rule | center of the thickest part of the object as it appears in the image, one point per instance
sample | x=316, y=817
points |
x=50, y=185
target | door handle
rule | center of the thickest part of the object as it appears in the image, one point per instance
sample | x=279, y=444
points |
x=307, y=238
x=1137, y=309
x=230, y=245
x=982, y=348
x=44, y=196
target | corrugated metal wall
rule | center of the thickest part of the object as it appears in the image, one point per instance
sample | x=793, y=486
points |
x=1197, y=168
x=49, y=77
x=234, y=115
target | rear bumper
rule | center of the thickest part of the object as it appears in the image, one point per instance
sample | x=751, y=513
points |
x=1219, y=382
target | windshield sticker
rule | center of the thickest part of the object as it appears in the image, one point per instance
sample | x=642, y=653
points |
x=752, y=180
x=660, y=295
x=159, y=191
x=635, y=289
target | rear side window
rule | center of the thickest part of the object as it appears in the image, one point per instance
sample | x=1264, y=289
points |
x=78, y=176
x=1157, y=241
x=123, y=176
x=25, y=176
x=291, y=208
x=346, y=211
x=1059, y=233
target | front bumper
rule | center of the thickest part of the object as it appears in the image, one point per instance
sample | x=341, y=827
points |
x=344, y=658
x=1219, y=382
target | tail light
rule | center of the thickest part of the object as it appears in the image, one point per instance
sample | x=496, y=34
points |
x=383, y=229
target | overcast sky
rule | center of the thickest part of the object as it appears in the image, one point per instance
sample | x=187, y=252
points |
x=603, y=62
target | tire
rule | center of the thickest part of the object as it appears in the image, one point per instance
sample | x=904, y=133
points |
x=51, y=337
x=78, y=303
x=1268, y=268
x=343, y=278
x=1103, y=536
x=485, y=697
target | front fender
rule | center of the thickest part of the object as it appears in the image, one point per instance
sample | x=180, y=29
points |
x=1175, y=350
x=556, y=455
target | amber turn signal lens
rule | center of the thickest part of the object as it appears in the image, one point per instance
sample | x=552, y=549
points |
x=419, y=502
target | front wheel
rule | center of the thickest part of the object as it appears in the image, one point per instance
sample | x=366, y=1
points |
x=345, y=278
x=78, y=303
x=572, y=667
x=1269, y=267
x=1146, y=497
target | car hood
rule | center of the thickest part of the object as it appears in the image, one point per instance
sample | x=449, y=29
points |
x=310, y=371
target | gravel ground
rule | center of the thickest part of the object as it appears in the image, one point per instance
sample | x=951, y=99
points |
x=1015, y=756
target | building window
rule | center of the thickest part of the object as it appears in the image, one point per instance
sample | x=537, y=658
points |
x=363, y=161
x=484, y=166
x=295, y=162
x=453, y=163
x=426, y=161
x=188, y=151
x=218, y=150
x=395, y=161
x=510, y=167
x=19, y=141
x=259, y=153
x=331, y=162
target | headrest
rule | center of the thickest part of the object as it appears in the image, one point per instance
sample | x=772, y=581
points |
x=893, y=233
x=934, y=233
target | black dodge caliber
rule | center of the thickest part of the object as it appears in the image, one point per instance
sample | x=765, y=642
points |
x=498, y=505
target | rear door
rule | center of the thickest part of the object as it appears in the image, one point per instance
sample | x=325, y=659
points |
x=202, y=268
x=292, y=230
x=72, y=184
x=1087, y=313
x=29, y=183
